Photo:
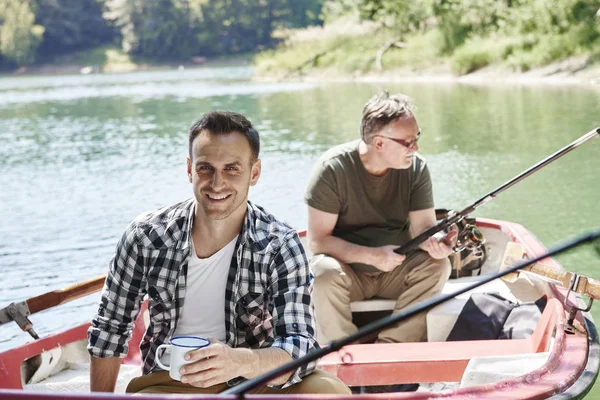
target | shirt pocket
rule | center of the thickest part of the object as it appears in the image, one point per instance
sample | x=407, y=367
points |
x=251, y=310
x=161, y=306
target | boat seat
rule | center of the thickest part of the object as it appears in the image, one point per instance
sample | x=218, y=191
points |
x=442, y=318
x=491, y=369
x=374, y=304
x=393, y=363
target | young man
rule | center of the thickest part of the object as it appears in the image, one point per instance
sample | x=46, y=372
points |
x=365, y=199
x=216, y=266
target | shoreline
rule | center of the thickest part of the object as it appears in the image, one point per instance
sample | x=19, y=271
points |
x=573, y=71
x=90, y=69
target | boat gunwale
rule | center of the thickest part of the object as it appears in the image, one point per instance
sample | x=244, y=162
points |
x=588, y=376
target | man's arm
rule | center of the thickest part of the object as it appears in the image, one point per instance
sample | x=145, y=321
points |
x=322, y=241
x=219, y=363
x=264, y=360
x=104, y=373
x=438, y=246
x=111, y=326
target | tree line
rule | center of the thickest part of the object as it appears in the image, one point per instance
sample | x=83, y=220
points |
x=530, y=31
x=475, y=33
x=161, y=30
x=459, y=20
x=364, y=36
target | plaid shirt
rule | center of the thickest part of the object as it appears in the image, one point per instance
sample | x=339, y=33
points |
x=267, y=294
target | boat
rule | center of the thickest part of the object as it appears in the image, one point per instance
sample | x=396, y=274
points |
x=559, y=359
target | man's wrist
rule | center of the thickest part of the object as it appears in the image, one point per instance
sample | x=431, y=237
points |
x=247, y=361
x=372, y=257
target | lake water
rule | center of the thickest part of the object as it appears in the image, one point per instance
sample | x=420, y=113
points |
x=81, y=156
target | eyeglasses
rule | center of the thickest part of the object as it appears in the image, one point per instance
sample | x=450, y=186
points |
x=408, y=145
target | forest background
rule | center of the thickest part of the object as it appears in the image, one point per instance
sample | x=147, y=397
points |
x=287, y=37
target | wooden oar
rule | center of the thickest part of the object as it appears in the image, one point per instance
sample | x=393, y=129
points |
x=61, y=296
x=18, y=312
x=514, y=254
x=586, y=286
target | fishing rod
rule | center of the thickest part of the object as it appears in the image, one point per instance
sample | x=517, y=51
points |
x=385, y=322
x=470, y=236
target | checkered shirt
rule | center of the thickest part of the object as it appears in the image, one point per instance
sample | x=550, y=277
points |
x=267, y=294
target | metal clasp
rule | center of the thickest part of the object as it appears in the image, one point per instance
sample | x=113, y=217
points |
x=569, y=328
x=18, y=312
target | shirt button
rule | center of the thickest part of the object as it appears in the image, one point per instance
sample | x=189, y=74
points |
x=295, y=325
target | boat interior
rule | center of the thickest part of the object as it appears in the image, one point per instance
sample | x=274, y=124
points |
x=60, y=365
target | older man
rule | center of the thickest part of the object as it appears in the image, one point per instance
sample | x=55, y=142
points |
x=365, y=199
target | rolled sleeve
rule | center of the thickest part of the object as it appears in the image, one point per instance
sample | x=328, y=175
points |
x=293, y=312
x=120, y=300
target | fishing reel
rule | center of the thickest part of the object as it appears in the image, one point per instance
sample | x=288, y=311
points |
x=470, y=238
x=469, y=252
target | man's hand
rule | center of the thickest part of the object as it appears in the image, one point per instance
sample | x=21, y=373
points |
x=442, y=247
x=215, y=363
x=385, y=259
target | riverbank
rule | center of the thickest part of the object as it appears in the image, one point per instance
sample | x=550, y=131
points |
x=578, y=70
x=572, y=71
x=363, y=51
x=109, y=59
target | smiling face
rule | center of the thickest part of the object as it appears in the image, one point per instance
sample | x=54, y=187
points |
x=221, y=170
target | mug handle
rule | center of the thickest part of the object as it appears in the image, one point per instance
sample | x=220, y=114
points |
x=165, y=367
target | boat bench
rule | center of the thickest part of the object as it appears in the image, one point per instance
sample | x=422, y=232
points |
x=394, y=363
x=440, y=319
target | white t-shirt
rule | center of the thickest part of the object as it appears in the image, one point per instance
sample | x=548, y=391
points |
x=203, y=311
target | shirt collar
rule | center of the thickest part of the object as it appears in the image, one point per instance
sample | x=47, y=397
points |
x=249, y=234
x=250, y=231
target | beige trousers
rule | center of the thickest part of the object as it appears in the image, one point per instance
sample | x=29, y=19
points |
x=319, y=382
x=336, y=285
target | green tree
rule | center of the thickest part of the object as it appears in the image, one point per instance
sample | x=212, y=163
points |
x=179, y=29
x=460, y=19
x=19, y=35
x=233, y=26
x=303, y=13
x=399, y=16
x=552, y=16
x=162, y=29
x=72, y=25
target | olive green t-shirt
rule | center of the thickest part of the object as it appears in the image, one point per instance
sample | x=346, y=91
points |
x=372, y=210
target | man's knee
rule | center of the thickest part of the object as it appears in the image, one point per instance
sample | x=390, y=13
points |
x=322, y=382
x=327, y=272
x=327, y=280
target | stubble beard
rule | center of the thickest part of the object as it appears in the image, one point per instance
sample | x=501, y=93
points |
x=218, y=215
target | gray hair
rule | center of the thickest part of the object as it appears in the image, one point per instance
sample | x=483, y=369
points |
x=382, y=109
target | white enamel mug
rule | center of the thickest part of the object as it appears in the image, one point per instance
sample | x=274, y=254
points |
x=180, y=346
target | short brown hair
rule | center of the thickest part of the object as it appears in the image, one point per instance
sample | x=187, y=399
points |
x=223, y=122
x=382, y=109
